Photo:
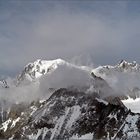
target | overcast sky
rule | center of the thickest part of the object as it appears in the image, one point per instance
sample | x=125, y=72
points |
x=102, y=32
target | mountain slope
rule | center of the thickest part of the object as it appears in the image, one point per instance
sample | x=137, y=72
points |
x=69, y=114
x=38, y=68
x=83, y=104
x=124, y=77
x=122, y=66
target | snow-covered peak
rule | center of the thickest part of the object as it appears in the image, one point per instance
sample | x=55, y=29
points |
x=132, y=66
x=122, y=66
x=41, y=67
x=122, y=62
x=123, y=77
x=38, y=68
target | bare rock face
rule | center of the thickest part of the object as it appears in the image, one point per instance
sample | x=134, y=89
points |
x=3, y=83
x=70, y=114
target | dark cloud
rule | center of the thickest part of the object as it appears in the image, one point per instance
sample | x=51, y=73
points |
x=106, y=31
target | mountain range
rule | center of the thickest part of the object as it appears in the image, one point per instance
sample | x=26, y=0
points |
x=72, y=102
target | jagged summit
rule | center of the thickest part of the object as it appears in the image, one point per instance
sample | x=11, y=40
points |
x=122, y=66
x=38, y=68
x=128, y=65
x=71, y=115
x=123, y=77
x=96, y=110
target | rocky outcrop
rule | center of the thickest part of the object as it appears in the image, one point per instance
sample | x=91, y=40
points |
x=68, y=114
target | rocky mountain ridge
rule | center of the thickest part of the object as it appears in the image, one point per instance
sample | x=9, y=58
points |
x=93, y=112
x=71, y=114
x=122, y=66
x=38, y=68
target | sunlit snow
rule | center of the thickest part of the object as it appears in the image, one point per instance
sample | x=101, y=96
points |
x=132, y=104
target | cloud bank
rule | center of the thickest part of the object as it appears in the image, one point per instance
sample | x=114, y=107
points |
x=107, y=31
x=65, y=76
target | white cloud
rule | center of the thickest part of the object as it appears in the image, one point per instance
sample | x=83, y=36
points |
x=64, y=76
x=64, y=30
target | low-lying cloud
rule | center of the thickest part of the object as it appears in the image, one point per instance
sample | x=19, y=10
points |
x=65, y=76
x=106, y=31
x=72, y=76
x=26, y=93
x=123, y=82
